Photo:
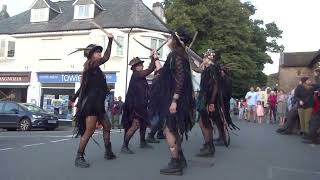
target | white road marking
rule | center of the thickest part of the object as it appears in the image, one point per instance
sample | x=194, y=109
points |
x=29, y=145
x=6, y=149
x=300, y=171
x=66, y=136
x=59, y=140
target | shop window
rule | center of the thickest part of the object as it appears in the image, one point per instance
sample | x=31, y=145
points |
x=1, y=107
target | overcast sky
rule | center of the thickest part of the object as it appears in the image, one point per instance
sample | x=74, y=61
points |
x=299, y=20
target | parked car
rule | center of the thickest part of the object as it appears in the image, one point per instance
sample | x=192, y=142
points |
x=25, y=117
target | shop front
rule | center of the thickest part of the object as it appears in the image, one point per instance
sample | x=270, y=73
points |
x=14, y=85
x=58, y=88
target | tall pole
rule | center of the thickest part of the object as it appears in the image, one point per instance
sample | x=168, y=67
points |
x=128, y=45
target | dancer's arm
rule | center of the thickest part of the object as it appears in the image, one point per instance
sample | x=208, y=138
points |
x=194, y=66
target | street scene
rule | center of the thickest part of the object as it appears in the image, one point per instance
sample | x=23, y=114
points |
x=257, y=152
x=159, y=89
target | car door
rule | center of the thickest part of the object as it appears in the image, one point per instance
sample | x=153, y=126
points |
x=2, y=118
x=11, y=114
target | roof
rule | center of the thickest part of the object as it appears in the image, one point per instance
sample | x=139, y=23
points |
x=53, y=6
x=297, y=59
x=315, y=59
x=117, y=14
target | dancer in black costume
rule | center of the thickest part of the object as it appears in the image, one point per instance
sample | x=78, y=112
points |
x=207, y=99
x=90, y=106
x=135, y=113
x=173, y=95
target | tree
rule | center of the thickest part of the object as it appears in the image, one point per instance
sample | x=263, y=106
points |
x=226, y=25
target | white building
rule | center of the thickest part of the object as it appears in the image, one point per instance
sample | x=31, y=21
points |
x=35, y=44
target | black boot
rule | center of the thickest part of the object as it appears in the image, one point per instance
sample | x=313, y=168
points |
x=204, y=147
x=126, y=150
x=183, y=160
x=151, y=139
x=209, y=152
x=173, y=168
x=145, y=145
x=160, y=135
x=80, y=161
x=109, y=154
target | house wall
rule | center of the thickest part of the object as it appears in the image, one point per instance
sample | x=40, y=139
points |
x=47, y=53
x=289, y=77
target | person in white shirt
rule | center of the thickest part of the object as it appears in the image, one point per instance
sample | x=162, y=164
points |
x=252, y=98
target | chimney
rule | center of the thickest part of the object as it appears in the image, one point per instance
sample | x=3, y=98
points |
x=3, y=13
x=158, y=9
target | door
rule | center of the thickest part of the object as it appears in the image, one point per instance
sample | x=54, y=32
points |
x=2, y=118
x=11, y=114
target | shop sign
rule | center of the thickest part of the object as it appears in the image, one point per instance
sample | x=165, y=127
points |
x=15, y=77
x=69, y=78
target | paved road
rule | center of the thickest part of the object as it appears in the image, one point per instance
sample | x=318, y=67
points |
x=257, y=153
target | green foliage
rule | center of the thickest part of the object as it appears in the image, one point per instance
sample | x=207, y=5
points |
x=226, y=25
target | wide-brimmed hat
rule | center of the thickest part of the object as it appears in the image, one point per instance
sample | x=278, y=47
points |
x=92, y=48
x=134, y=62
x=182, y=35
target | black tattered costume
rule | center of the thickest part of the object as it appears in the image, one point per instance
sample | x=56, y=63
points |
x=136, y=104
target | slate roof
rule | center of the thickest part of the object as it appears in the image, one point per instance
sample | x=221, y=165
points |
x=53, y=6
x=117, y=14
x=297, y=59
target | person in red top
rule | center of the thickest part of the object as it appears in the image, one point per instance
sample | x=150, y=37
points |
x=272, y=100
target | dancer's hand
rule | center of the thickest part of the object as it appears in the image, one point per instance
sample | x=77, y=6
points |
x=110, y=35
x=173, y=108
x=211, y=108
x=154, y=54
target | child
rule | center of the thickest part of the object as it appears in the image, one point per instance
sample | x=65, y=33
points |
x=241, y=110
x=260, y=112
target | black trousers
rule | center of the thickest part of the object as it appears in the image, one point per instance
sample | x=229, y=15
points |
x=314, y=126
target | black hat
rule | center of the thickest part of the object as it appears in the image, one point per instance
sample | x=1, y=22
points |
x=182, y=35
x=134, y=62
x=92, y=48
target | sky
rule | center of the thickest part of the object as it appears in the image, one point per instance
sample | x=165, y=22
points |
x=297, y=18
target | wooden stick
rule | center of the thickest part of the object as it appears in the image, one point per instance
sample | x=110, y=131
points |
x=106, y=32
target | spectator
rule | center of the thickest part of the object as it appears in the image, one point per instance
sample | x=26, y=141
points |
x=282, y=106
x=115, y=113
x=312, y=137
x=304, y=95
x=241, y=107
x=120, y=104
x=260, y=112
x=252, y=98
x=272, y=101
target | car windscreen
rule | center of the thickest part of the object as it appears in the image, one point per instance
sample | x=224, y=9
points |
x=33, y=108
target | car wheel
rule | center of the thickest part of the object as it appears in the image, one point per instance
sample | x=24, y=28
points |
x=25, y=125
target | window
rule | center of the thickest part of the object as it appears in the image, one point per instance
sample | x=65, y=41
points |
x=10, y=107
x=156, y=43
x=84, y=11
x=39, y=15
x=1, y=107
x=11, y=48
x=120, y=39
x=7, y=48
x=2, y=48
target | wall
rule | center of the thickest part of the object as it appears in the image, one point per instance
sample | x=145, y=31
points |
x=289, y=77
